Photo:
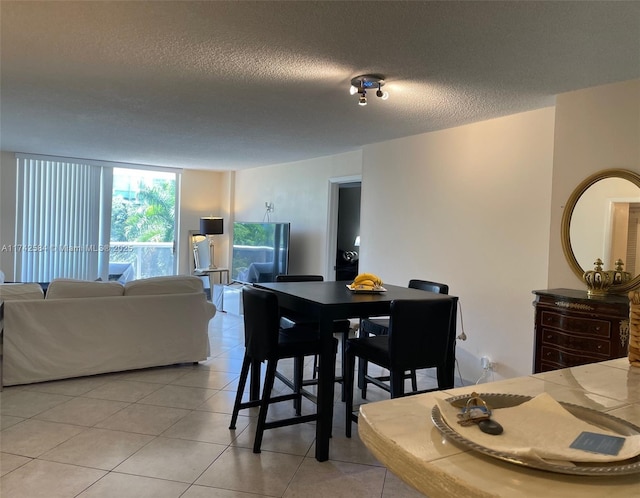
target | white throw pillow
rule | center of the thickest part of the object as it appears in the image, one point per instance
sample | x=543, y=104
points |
x=174, y=284
x=19, y=292
x=62, y=288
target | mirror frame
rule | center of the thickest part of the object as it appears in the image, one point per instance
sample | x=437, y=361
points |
x=568, y=212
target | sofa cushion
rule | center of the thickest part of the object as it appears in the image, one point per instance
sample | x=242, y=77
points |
x=173, y=284
x=62, y=288
x=14, y=292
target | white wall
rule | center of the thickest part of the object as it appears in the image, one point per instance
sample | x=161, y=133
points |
x=7, y=211
x=469, y=207
x=204, y=193
x=300, y=195
x=596, y=128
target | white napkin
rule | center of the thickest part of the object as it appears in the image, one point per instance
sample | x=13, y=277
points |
x=539, y=429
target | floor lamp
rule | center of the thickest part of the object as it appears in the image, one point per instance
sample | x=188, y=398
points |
x=210, y=226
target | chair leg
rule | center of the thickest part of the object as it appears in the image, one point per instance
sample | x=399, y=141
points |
x=345, y=336
x=446, y=376
x=298, y=367
x=362, y=377
x=244, y=373
x=264, y=405
x=414, y=381
x=314, y=374
x=254, y=384
x=396, y=381
x=362, y=370
x=348, y=370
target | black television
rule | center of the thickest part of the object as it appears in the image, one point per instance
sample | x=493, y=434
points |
x=260, y=251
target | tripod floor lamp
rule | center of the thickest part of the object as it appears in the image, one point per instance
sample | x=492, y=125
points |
x=210, y=226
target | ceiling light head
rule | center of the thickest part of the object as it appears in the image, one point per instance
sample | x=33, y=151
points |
x=360, y=84
x=380, y=93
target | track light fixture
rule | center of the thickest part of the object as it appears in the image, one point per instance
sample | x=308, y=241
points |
x=360, y=85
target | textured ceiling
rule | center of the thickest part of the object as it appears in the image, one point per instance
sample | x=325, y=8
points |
x=230, y=85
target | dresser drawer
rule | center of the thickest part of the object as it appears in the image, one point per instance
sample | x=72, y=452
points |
x=578, y=343
x=587, y=326
x=565, y=359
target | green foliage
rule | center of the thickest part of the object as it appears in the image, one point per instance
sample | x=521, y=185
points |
x=119, y=214
x=253, y=235
x=151, y=218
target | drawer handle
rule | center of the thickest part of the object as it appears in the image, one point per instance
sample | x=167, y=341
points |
x=599, y=346
x=549, y=336
x=597, y=328
x=548, y=354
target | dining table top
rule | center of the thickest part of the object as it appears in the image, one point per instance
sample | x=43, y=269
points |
x=336, y=294
x=402, y=436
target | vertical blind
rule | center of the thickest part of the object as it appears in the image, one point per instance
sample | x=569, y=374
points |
x=58, y=219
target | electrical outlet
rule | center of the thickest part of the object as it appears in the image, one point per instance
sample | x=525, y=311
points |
x=486, y=363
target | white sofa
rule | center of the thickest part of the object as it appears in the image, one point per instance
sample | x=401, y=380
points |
x=85, y=328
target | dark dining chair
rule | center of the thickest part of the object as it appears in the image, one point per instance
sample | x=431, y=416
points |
x=380, y=326
x=288, y=319
x=266, y=341
x=342, y=327
x=420, y=335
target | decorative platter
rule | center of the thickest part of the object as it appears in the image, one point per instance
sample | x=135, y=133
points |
x=366, y=291
x=604, y=420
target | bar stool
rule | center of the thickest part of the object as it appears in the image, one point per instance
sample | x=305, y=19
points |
x=342, y=327
x=420, y=335
x=380, y=326
x=266, y=341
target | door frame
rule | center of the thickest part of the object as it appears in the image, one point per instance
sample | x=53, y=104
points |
x=332, y=221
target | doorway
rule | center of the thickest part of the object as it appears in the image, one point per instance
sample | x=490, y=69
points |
x=344, y=228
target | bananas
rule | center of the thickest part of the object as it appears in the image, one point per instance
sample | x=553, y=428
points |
x=366, y=281
x=364, y=277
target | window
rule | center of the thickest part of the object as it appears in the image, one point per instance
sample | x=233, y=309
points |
x=143, y=223
x=75, y=221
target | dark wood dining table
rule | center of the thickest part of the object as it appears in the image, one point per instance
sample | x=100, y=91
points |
x=326, y=302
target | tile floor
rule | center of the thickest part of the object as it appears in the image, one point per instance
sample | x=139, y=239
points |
x=163, y=432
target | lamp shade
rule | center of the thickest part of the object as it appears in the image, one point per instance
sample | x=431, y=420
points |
x=211, y=226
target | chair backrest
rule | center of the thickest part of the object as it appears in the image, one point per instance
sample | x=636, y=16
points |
x=425, y=285
x=299, y=278
x=261, y=322
x=421, y=334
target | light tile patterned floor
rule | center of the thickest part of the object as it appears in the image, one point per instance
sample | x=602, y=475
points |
x=163, y=432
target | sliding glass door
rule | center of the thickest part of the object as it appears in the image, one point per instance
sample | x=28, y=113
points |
x=143, y=224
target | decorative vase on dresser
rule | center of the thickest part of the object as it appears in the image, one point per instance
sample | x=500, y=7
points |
x=573, y=328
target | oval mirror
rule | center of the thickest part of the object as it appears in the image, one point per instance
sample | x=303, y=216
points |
x=602, y=220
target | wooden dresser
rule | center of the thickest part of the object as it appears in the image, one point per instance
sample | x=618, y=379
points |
x=572, y=328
